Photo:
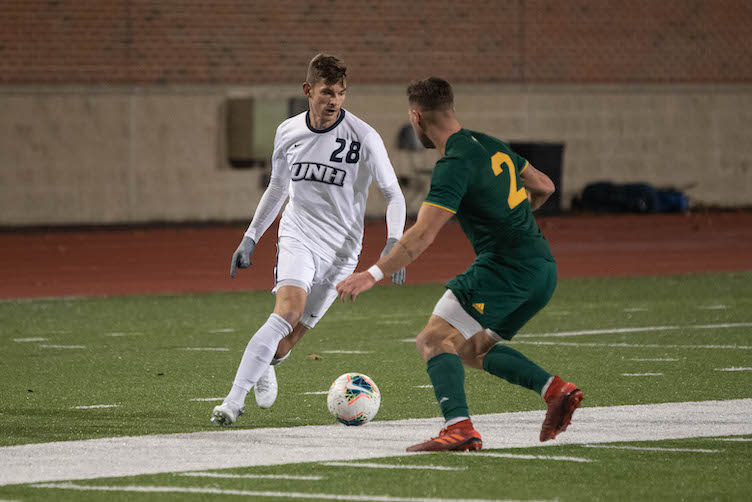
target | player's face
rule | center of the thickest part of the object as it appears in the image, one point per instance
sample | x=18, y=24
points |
x=416, y=121
x=325, y=102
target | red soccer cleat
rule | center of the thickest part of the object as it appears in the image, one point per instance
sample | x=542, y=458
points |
x=562, y=399
x=461, y=436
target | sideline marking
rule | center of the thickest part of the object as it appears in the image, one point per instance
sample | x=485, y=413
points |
x=733, y=368
x=250, y=476
x=95, y=406
x=248, y=493
x=206, y=399
x=23, y=340
x=46, y=346
x=641, y=374
x=210, y=450
x=210, y=349
x=656, y=359
x=745, y=440
x=633, y=330
x=372, y=465
x=639, y=345
x=528, y=457
x=650, y=448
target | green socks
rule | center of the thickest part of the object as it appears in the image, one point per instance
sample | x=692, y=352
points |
x=448, y=379
x=509, y=364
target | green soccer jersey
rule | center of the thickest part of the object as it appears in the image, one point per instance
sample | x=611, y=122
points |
x=478, y=179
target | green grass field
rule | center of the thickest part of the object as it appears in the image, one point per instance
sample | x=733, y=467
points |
x=684, y=338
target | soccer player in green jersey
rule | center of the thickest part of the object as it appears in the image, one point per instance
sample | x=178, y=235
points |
x=493, y=193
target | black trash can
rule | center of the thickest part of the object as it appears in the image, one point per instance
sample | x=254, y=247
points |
x=547, y=158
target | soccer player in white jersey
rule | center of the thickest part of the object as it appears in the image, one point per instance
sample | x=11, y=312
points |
x=325, y=160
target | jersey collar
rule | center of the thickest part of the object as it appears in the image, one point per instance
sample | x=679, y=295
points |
x=453, y=137
x=321, y=131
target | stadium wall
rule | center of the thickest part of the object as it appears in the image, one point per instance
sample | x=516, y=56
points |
x=93, y=155
x=113, y=110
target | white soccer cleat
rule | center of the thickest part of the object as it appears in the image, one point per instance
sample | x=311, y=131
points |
x=226, y=414
x=266, y=388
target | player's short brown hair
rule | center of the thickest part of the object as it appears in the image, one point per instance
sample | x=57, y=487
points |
x=429, y=94
x=326, y=67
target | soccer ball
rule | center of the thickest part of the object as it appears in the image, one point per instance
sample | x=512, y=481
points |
x=353, y=399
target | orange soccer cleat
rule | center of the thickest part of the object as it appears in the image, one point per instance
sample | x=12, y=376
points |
x=562, y=399
x=461, y=436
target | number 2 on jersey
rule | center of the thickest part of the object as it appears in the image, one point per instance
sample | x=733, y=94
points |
x=515, y=196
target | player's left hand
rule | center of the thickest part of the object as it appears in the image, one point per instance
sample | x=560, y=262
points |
x=398, y=277
x=355, y=284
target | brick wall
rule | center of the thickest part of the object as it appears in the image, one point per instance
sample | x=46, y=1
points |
x=255, y=42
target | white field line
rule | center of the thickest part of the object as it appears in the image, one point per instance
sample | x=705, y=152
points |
x=424, y=386
x=651, y=448
x=223, y=330
x=641, y=374
x=248, y=493
x=516, y=456
x=316, y=392
x=713, y=307
x=644, y=329
x=250, y=476
x=371, y=465
x=733, y=368
x=24, y=340
x=635, y=309
x=95, y=406
x=119, y=334
x=394, y=322
x=637, y=345
x=347, y=352
x=656, y=359
x=46, y=346
x=207, y=399
x=207, y=349
x=211, y=450
x=408, y=340
x=741, y=440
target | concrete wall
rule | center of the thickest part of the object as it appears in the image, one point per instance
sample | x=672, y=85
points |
x=78, y=155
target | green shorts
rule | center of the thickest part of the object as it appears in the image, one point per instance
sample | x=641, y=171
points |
x=503, y=295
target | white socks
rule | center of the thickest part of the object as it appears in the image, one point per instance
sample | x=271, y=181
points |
x=276, y=361
x=257, y=356
x=453, y=421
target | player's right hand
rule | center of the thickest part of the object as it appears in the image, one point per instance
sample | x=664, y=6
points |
x=241, y=258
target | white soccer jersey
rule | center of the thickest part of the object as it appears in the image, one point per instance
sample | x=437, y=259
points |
x=329, y=172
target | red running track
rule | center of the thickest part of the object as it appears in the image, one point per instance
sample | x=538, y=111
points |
x=136, y=261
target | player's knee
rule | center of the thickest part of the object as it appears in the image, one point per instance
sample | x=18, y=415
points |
x=291, y=316
x=431, y=343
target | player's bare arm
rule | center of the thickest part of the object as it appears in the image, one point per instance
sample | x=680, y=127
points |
x=539, y=186
x=416, y=240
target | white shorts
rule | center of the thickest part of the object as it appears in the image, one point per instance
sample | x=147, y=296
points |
x=298, y=266
x=450, y=309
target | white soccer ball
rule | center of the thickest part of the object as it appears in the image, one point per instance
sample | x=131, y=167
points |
x=353, y=399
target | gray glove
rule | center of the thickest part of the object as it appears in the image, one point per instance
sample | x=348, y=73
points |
x=398, y=277
x=241, y=258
